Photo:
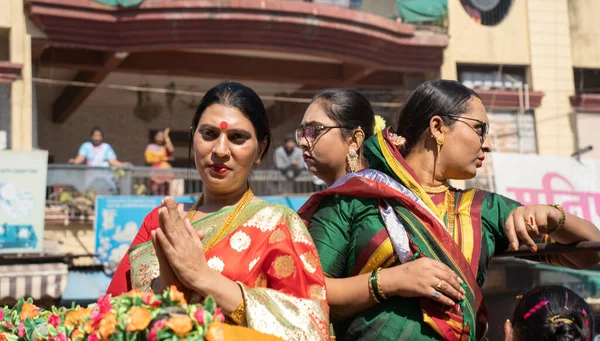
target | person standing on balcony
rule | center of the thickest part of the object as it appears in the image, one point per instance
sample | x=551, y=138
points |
x=158, y=154
x=289, y=161
x=97, y=153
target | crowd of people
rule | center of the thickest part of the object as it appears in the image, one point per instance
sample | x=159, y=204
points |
x=389, y=251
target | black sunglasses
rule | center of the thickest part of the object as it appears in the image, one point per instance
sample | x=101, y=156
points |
x=485, y=126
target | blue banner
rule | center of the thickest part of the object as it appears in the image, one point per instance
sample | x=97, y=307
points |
x=118, y=219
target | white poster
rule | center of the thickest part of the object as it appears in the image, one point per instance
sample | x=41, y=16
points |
x=534, y=179
x=22, y=200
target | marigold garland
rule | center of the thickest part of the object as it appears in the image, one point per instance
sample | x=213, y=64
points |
x=132, y=316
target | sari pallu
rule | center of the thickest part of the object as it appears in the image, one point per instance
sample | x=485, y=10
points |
x=269, y=252
x=415, y=228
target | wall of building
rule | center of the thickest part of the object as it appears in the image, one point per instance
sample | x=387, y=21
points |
x=587, y=131
x=13, y=18
x=472, y=43
x=585, y=33
x=113, y=111
x=552, y=73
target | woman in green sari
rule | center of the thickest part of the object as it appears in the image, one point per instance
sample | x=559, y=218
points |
x=405, y=253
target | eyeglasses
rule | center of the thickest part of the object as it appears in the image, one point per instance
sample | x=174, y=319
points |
x=311, y=133
x=484, y=128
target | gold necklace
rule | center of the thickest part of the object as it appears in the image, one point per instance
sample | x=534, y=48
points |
x=437, y=189
x=230, y=219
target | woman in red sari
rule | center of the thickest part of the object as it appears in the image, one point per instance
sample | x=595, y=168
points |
x=255, y=258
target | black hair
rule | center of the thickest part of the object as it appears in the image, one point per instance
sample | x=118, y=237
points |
x=552, y=313
x=244, y=99
x=432, y=98
x=289, y=138
x=96, y=129
x=347, y=108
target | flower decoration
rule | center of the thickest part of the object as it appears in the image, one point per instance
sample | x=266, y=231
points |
x=132, y=316
x=379, y=124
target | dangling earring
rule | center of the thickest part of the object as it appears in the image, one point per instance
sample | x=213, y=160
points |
x=440, y=142
x=352, y=158
x=257, y=162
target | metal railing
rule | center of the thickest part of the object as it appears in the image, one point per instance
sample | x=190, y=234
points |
x=155, y=181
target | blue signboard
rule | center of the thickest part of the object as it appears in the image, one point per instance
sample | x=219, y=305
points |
x=22, y=191
x=118, y=219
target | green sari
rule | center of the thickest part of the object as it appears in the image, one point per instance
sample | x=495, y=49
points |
x=351, y=230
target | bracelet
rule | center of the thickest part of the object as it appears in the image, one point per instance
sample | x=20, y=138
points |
x=561, y=221
x=372, y=279
x=375, y=286
x=239, y=314
x=379, y=290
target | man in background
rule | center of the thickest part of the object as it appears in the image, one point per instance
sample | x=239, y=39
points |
x=288, y=160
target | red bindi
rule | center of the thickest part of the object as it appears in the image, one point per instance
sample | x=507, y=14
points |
x=224, y=125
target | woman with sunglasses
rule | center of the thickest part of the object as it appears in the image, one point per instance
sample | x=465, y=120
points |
x=407, y=253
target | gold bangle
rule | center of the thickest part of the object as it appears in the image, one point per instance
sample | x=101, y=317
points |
x=371, y=291
x=561, y=221
x=239, y=314
x=381, y=293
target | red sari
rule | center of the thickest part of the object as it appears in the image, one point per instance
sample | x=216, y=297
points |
x=268, y=251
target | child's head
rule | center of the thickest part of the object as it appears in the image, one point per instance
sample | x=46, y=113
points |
x=552, y=313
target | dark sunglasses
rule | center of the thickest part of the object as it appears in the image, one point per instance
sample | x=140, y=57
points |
x=485, y=126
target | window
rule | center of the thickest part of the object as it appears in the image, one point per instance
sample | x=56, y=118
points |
x=587, y=80
x=487, y=12
x=491, y=76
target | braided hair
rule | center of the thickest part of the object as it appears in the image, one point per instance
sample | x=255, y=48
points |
x=552, y=313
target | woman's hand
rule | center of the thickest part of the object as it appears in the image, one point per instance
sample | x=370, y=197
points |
x=423, y=277
x=528, y=222
x=167, y=276
x=182, y=247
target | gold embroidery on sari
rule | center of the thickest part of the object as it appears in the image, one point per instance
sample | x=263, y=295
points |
x=285, y=316
x=298, y=231
x=261, y=280
x=277, y=236
x=310, y=261
x=267, y=220
x=317, y=292
x=284, y=266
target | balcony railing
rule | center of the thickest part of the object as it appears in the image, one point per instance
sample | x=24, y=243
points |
x=139, y=181
x=71, y=190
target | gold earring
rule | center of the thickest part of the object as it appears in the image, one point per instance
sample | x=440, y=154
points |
x=359, y=138
x=352, y=158
x=440, y=142
x=257, y=162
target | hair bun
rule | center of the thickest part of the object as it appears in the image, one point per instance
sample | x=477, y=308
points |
x=379, y=125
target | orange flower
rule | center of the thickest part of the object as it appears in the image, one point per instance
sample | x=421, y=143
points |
x=180, y=324
x=215, y=332
x=3, y=337
x=139, y=318
x=136, y=293
x=176, y=295
x=88, y=327
x=107, y=325
x=77, y=335
x=29, y=311
x=76, y=317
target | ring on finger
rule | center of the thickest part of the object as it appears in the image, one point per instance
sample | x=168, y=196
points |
x=530, y=223
x=437, y=287
x=436, y=294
